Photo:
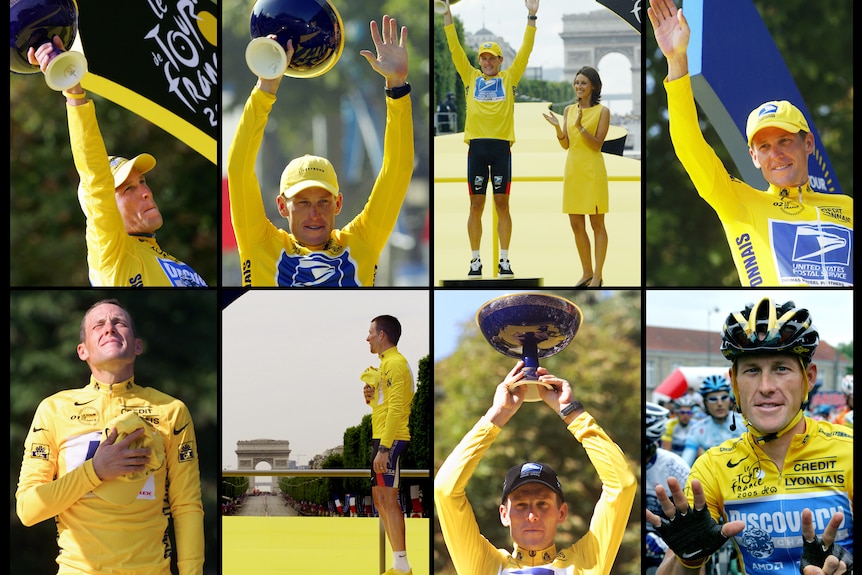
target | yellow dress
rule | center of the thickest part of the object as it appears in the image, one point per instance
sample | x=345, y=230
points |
x=585, y=181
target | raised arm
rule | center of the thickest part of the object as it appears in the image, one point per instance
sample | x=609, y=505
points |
x=391, y=59
x=672, y=34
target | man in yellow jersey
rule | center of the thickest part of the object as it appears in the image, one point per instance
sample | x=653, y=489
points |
x=313, y=252
x=783, y=491
x=114, y=463
x=390, y=399
x=533, y=503
x=786, y=235
x=122, y=215
x=490, y=131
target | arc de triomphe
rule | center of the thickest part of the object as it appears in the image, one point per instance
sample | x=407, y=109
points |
x=249, y=453
x=587, y=38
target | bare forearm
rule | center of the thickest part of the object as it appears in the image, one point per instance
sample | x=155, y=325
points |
x=670, y=566
x=499, y=416
x=677, y=66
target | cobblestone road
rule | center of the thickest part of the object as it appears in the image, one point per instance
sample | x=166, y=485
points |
x=265, y=506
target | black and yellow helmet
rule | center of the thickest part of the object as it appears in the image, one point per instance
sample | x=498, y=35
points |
x=766, y=327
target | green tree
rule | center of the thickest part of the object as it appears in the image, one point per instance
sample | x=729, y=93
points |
x=418, y=455
x=603, y=365
x=419, y=451
x=446, y=78
x=357, y=446
x=846, y=349
x=560, y=94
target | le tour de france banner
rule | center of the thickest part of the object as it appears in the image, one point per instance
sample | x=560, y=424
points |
x=628, y=10
x=159, y=60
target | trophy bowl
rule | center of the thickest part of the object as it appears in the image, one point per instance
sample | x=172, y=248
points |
x=36, y=22
x=529, y=326
x=440, y=5
x=314, y=26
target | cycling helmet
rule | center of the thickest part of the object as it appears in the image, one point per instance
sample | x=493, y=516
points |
x=765, y=328
x=847, y=385
x=688, y=400
x=769, y=328
x=714, y=383
x=655, y=421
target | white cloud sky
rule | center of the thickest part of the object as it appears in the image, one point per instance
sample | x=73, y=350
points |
x=291, y=361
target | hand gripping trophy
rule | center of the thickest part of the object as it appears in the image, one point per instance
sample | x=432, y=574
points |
x=529, y=326
x=314, y=28
x=440, y=6
x=33, y=23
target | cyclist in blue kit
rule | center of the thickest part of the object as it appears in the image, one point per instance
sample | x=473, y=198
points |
x=681, y=424
x=719, y=424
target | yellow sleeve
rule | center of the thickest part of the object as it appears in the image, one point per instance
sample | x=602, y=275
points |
x=247, y=212
x=707, y=173
x=41, y=495
x=398, y=403
x=105, y=232
x=184, y=484
x=612, y=511
x=459, y=58
x=377, y=219
x=470, y=551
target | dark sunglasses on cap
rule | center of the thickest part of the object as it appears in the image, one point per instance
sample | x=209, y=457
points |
x=716, y=399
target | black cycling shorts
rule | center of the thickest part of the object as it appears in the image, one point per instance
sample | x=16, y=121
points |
x=489, y=160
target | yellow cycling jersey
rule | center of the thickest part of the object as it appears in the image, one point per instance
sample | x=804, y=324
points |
x=392, y=400
x=741, y=483
x=96, y=536
x=490, y=99
x=781, y=236
x=592, y=554
x=115, y=258
x=271, y=256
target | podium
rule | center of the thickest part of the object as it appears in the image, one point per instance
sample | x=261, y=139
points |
x=495, y=283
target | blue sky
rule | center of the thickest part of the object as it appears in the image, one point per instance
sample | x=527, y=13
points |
x=451, y=309
x=832, y=310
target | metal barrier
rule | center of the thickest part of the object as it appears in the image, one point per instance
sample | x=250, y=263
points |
x=445, y=123
x=329, y=473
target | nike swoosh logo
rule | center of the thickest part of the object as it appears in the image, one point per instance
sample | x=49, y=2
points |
x=180, y=430
x=691, y=554
x=79, y=403
x=731, y=464
x=37, y=429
